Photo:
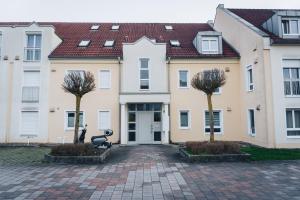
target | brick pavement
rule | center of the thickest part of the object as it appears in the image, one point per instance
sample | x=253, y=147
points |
x=151, y=172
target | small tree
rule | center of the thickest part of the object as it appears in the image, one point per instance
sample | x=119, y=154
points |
x=78, y=84
x=209, y=81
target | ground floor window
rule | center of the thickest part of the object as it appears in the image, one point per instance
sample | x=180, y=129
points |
x=131, y=126
x=70, y=119
x=293, y=122
x=104, y=120
x=184, y=118
x=217, y=121
x=251, y=122
x=29, y=122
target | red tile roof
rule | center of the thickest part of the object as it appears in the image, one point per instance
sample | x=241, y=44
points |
x=257, y=17
x=72, y=33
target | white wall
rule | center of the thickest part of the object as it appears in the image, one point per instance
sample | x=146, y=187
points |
x=278, y=53
x=13, y=43
x=156, y=53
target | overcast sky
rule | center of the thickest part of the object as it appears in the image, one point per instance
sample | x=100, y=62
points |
x=126, y=10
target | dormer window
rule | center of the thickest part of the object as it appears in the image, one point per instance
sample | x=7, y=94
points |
x=115, y=27
x=175, y=43
x=291, y=26
x=95, y=27
x=109, y=43
x=210, y=45
x=84, y=43
x=168, y=27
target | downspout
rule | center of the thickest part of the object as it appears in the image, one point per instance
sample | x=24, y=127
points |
x=168, y=66
x=119, y=92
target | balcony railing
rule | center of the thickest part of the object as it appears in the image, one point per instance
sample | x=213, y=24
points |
x=30, y=94
x=32, y=54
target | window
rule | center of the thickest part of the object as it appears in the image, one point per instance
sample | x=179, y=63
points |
x=95, y=27
x=217, y=122
x=291, y=81
x=184, y=119
x=250, y=85
x=131, y=122
x=84, y=43
x=104, y=79
x=144, y=74
x=210, y=45
x=33, y=48
x=293, y=122
x=168, y=27
x=183, y=79
x=157, y=116
x=109, y=43
x=175, y=43
x=291, y=26
x=104, y=120
x=29, y=123
x=115, y=27
x=251, y=122
x=70, y=119
x=31, y=86
x=217, y=91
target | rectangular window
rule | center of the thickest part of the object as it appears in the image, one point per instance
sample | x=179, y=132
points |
x=293, y=122
x=250, y=85
x=104, y=79
x=251, y=122
x=183, y=79
x=31, y=86
x=217, y=122
x=131, y=123
x=144, y=74
x=291, y=81
x=291, y=26
x=210, y=45
x=70, y=119
x=104, y=120
x=184, y=119
x=29, y=122
x=33, y=47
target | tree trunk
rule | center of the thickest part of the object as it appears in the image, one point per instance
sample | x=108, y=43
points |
x=77, y=112
x=211, y=118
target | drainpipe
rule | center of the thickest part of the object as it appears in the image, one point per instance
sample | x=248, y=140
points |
x=120, y=80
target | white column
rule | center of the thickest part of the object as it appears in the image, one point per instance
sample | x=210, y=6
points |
x=166, y=124
x=123, y=124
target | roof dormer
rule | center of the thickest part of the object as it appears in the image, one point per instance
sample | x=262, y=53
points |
x=208, y=42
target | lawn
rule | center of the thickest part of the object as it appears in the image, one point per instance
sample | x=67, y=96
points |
x=258, y=153
x=22, y=155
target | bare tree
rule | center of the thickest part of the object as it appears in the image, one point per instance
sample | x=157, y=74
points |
x=78, y=83
x=209, y=81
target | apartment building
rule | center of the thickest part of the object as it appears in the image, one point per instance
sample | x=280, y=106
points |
x=269, y=45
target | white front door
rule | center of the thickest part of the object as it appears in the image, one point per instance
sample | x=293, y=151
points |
x=144, y=126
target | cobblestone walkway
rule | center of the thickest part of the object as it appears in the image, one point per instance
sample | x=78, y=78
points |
x=151, y=172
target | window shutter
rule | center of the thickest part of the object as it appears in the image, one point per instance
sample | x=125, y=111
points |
x=104, y=120
x=104, y=79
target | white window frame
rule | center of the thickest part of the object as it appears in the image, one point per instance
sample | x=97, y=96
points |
x=189, y=119
x=221, y=123
x=249, y=122
x=21, y=117
x=34, y=49
x=140, y=69
x=95, y=27
x=188, y=79
x=99, y=78
x=290, y=25
x=210, y=39
x=109, y=43
x=66, y=120
x=115, y=27
x=175, y=43
x=31, y=86
x=84, y=43
x=290, y=80
x=219, y=92
x=98, y=121
x=293, y=118
x=248, y=83
x=169, y=28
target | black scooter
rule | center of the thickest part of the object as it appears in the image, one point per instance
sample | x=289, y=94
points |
x=102, y=141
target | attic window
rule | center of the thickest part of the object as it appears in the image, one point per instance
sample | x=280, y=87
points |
x=168, y=27
x=210, y=45
x=109, y=43
x=115, y=27
x=94, y=27
x=84, y=43
x=175, y=43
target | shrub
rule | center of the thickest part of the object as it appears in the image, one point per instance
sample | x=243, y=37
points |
x=75, y=150
x=217, y=147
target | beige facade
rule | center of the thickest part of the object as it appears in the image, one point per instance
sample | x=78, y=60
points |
x=194, y=101
x=98, y=100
